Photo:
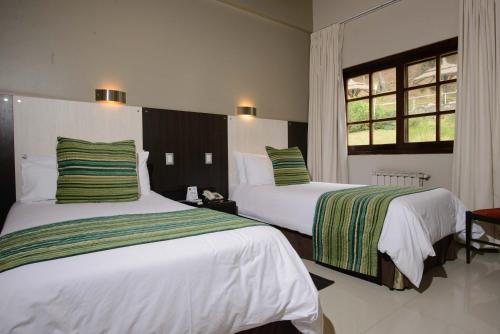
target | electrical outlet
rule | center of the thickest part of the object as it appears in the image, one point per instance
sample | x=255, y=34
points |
x=169, y=159
x=208, y=158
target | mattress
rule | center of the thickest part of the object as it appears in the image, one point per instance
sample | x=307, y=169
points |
x=220, y=282
x=412, y=225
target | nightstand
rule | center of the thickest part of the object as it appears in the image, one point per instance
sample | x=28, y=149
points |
x=226, y=206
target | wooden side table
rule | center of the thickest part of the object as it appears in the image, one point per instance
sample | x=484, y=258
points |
x=491, y=216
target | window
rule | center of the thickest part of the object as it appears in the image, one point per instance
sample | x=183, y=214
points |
x=403, y=103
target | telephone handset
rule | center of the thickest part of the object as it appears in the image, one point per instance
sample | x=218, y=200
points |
x=212, y=196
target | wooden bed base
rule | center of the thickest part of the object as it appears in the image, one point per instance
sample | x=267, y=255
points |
x=279, y=327
x=286, y=327
x=388, y=274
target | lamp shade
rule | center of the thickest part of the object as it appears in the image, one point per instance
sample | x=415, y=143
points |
x=110, y=95
x=251, y=111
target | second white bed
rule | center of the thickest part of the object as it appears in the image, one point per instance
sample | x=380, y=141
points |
x=412, y=225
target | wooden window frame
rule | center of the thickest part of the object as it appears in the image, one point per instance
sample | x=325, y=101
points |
x=400, y=62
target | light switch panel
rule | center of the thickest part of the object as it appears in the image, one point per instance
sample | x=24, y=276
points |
x=208, y=158
x=169, y=159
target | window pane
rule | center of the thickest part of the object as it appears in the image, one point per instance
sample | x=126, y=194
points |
x=448, y=98
x=448, y=70
x=384, y=81
x=358, y=111
x=421, y=73
x=447, y=127
x=421, y=100
x=384, y=106
x=358, y=87
x=358, y=134
x=420, y=129
x=384, y=132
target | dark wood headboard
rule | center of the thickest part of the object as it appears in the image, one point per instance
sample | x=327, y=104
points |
x=297, y=136
x=189, y=136
x=7, y=172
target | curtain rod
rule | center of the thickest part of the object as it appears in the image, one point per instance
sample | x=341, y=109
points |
x=366, y=12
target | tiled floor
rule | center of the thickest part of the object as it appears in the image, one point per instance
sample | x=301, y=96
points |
x=460, y=298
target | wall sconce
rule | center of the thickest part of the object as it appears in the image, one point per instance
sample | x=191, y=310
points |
x=110, y=95
x=248, y=111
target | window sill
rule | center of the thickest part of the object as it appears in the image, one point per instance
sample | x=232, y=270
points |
x=410, y=148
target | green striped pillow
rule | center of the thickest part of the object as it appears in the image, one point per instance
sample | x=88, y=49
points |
x=96, y=172
x=288, y=166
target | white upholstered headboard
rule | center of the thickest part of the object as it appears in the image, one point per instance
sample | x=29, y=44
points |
x=252, y=135
x=38, y=122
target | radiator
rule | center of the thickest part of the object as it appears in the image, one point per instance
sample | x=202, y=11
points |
x=397, y=178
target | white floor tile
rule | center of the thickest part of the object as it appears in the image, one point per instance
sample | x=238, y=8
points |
x=465, y=300
x=412, y=322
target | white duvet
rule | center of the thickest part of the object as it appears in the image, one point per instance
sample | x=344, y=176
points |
x=412, y=225
x=221, y=282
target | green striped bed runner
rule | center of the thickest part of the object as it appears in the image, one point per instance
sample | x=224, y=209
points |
x=348, y=224
x=75, y=237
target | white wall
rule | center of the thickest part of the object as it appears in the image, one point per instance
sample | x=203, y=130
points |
x=400, y=27
x=294, y=12
x=438, y=166
x=403, y=26
x=196, y=55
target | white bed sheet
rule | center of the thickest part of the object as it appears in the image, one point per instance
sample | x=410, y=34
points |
x=221, y=282
x=412, y=225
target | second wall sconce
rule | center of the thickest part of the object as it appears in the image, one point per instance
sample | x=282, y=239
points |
x=249, y=111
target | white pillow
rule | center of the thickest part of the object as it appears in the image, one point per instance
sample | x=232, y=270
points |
x=39, y=178
x=259, y=169
x=142, y=171
x=240, y=167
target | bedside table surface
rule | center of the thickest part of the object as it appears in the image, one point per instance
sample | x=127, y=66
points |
x=227, y=206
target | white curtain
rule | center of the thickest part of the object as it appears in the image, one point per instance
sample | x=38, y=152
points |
x=476, y=159
x=327, y=141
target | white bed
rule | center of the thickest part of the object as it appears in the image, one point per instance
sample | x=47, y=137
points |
x=221, y=282
x=412, y=225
